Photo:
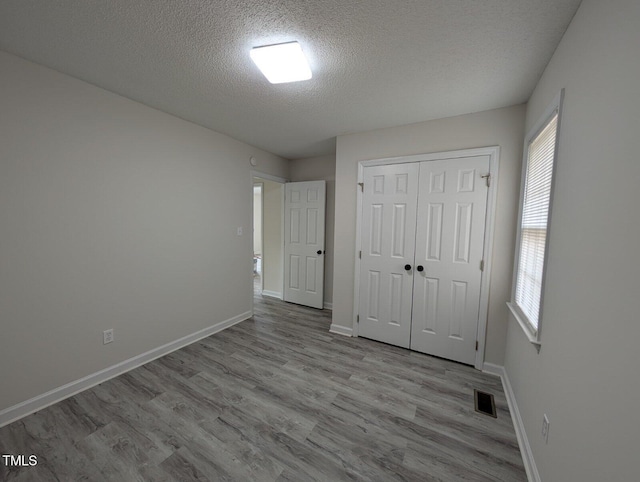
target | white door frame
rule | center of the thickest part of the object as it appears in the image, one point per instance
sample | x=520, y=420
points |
x=261, y=185
x=494, y=153
x=280, y=180
x=300, y=294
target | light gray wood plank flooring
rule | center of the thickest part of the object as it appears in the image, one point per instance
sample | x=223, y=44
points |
x=275, y=398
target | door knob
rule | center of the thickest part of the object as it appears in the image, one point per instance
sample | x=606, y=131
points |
x=420, y=268
x=319, y=251
x=407, y=267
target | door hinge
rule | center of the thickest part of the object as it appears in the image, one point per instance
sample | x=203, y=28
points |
x=360, y=254
x=361, y=184
x=482, y=265
x=476, y=345
x=357, y=318
x=487, y=177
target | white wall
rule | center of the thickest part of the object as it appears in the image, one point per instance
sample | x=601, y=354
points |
x=113, y=215
x=502, y=127
x=257, y=218
x=319, y=169
x=272, y=261
x=586, y=374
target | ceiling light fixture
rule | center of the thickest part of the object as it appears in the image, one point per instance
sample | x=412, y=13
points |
x=281, y=63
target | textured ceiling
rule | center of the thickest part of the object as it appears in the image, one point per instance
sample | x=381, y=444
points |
x=375, y=63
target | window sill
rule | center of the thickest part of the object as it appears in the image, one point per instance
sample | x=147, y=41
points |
x=531, y=336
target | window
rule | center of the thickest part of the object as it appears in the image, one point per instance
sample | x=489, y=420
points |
x=535, y=207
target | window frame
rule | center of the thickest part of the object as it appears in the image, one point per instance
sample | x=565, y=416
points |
x=532, y=333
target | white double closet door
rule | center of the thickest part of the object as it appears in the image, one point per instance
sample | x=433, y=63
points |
x=423, y=226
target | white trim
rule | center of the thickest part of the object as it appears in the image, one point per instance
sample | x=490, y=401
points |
x=272, y=294
x=556, y=105
x=434, y=156
x=525, y=325
x=253, y=215
x=340, y=330
x=327, y=306
x=493, y=369
x=358, y=247
x=268, y=177
x=485, y=277
x=494, y=161
x=39, y=402
x=283, y=233
x=518, y=425
x=283, y=181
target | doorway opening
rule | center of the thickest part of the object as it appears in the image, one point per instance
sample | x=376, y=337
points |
x=258, y=188
x=268, y=235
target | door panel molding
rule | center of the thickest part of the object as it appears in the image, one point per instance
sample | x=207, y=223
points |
x=437, y=182
x=304, y=222
x=464, y=201
x=390, y=224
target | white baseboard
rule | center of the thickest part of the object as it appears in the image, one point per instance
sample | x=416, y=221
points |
x=521, y=434
x=276, y=294
x=493, y=369
x=39, y=402
x=341, y=330
x=272, y=294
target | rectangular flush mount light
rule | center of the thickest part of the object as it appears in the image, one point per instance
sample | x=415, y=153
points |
x=281, y=63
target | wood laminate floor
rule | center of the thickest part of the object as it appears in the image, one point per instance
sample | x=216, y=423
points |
x=275, y=398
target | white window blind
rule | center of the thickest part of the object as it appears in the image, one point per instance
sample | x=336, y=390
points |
x=533, y=227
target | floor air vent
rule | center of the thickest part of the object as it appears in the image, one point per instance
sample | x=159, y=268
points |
x=485, y=403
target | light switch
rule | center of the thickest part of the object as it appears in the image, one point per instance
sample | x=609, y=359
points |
x=240, y=231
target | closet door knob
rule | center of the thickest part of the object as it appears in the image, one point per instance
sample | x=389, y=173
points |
x=407, y=267
x=319, y=251
x=420, y=268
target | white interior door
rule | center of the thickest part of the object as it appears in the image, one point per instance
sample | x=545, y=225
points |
x=304, y=207
x=390, y=196
x=449, y=247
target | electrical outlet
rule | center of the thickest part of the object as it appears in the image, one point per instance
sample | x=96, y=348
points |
x=545, y=428
x=107, y=336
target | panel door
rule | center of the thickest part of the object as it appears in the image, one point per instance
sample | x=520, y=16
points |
x=304, y=243
x=449, y=246
x=390, y=196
